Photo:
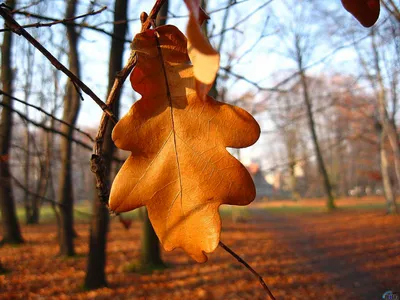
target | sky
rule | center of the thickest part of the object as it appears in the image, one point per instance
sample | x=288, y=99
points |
x=264, y=63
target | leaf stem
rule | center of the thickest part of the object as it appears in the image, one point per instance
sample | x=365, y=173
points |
x=243, y=262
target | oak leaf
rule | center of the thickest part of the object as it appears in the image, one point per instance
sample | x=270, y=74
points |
x=179, y=167
x=365, y=11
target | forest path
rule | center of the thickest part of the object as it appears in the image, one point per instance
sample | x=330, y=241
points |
x=342, y=252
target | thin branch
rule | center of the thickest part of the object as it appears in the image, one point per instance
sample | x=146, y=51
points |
x=15, y=27
x=239, y=259
x=48, y=129
x=235, y=2
x=66, y=21
x=234, y=27
x=255, y=84
x=54, y=20
x=48, y=114
x=25, y=189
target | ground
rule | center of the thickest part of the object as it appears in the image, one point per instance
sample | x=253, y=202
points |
x=302, y=253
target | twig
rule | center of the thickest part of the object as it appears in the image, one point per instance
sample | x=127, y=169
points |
x=97, y=160
x=25, y=189
x=244, y=19
x=48, y=114
x=49, y=129
x=209, y=13
x=66, y=21
x=37, y=124
x=53, y=20
x=16, y=28
x=239, y=259
x=255, y=84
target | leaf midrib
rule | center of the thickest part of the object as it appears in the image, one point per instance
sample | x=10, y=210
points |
x=172, y=116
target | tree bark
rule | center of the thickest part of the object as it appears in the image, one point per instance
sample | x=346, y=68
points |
x=389, y=127
x=11, y=229
x=95, y=274
x=70, y=114
x=330, y=204
x=386, y=182
x=150, y=252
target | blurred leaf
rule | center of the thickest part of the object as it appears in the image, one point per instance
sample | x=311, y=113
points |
x=365, y=11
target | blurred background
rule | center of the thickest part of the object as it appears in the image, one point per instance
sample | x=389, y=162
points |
x=325, y=92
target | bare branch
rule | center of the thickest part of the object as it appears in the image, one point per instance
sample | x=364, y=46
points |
x=57, y=21
x=67, y=21
x=48, y=114
x=48, y=129
x=25, y=189
x=97, y=160
x=15, y=27
x=255, y=84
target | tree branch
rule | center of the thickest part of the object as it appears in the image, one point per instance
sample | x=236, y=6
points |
x=57, y=21
x=37, y=124
x=48, y=114
x=67, y=21
x=16, y=28
x=97, y=160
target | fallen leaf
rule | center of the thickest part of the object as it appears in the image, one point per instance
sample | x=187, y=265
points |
x=365, y=11
x=179, y=167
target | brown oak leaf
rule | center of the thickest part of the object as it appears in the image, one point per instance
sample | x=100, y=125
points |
x=179, y=167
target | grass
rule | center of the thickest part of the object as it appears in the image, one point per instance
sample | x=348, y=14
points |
x=82, y=211
x=318, y=206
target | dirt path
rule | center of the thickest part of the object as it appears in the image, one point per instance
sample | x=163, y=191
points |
x=323, y=246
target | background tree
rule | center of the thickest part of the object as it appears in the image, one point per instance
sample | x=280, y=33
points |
x=95, y=273
x=71, y=109
x=11, y=230
x=297, y=37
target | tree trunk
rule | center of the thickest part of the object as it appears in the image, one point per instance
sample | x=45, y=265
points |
x=70, y=114
x=150, y=256
x=386, y=182
x=389, y=127
x=28, y=210
x=95, y=274
x=11, y=230
x=330, y=204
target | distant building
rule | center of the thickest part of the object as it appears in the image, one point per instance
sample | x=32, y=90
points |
x=263, y=188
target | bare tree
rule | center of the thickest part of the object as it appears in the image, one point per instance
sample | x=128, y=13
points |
x=95, y=273
x=11, y=230
x=71, y=109
x=300, y=43
x=388, y=128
